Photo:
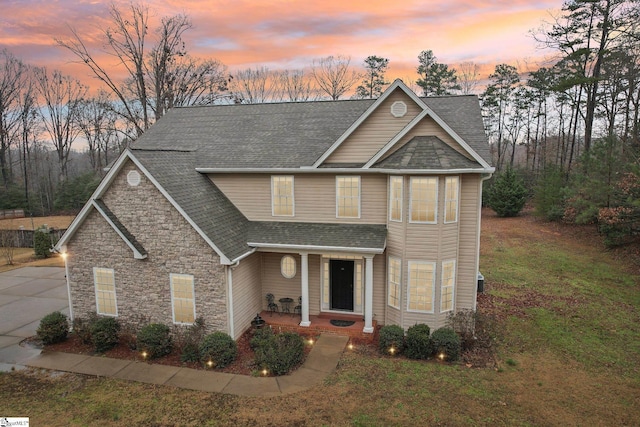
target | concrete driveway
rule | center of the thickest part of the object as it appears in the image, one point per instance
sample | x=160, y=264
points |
x=26, y=295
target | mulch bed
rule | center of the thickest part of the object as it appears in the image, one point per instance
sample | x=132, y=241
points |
x=243, y=365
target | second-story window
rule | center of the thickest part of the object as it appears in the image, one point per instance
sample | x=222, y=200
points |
x=282, y=195
x=348, y=197
x=451, y=190
x=395, y=198
x=424, y=199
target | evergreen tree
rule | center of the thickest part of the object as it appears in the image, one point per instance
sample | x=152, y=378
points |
x=507, y=195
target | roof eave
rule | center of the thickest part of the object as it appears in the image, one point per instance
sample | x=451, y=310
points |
x=316, y=248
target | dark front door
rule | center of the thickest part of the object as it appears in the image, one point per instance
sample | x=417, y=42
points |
x=341, y=284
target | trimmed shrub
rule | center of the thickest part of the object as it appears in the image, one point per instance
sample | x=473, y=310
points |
x=463, y=322
x=155, y=340
x=391, y=336
x=53, y=328
x=41, y=243
x=418, y=342
x=82, y=328
x=219, y=348
x=104, y=333
x=261, y=338
x=445, y=340
x=279, y=353
x=188, y=340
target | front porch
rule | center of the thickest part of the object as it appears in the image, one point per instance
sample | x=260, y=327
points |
x=320, y=324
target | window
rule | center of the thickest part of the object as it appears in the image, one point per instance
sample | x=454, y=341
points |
x=448, y=284
x=182, y=298
x=424, y=196
x=395, y=268
x=395, y=198
x=451, y=186
x=420, y=283
x=288, y=266
x=348, y=197
x=282, y=195
x=105, y=285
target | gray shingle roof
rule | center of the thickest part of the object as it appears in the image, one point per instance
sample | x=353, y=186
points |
x=463, y=114
x=286, y=135
x=353, y=236
x=426, y=152
x=259, y=135
x=126, y=233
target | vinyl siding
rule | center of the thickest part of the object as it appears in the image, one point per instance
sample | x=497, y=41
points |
x=314, y=197
x=247, y=294
x=274, y=282
x=467, y=280
x=427, y=127
x=378, y=129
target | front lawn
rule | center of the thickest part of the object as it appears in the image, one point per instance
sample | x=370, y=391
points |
x=567, y=316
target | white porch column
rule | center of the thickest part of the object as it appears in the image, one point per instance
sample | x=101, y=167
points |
x=304, y=278
x=368, y=294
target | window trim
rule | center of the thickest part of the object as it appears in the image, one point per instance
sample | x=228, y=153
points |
x=273, y=200
x=295, y=267
x=95, y=287
x=338, y=177
x=452, y=286
x=397, y=285
x=433, y=286
x=435, y=207
x=173, y=298
x=392, y=199
x=457, y=200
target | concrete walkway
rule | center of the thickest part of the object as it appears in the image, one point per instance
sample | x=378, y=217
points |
x=320, y=362
x=28, y=294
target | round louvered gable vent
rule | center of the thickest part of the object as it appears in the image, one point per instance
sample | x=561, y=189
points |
x=398, y=109
x=133, y=178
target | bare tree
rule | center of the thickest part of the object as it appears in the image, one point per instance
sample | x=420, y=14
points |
x=61, y=96
x=468, y=77
x=334, y=76
x=252, y=86
x=294, y=85
x=160, y=76
x=12, y=72
x=97, y=122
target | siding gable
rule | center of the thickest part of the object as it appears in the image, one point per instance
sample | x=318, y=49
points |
x=375, y=131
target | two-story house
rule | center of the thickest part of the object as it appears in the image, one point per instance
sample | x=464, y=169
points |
x=365, y=207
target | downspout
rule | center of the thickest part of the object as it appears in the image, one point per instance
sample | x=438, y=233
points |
x=230, y=269
x=475, y=286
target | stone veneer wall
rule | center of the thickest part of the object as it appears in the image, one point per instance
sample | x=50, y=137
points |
x=143, y=292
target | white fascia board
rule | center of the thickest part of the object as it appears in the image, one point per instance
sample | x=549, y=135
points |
x=136, y=253
x=396, y=84
x=99, y=191
x=457, y=138
x=314, y=248
x=223, y=258
x=427, y=112
x=395, y=139
x=347, y=171
x=243, y=256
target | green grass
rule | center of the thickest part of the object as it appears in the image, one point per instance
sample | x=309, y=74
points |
x=571, y=357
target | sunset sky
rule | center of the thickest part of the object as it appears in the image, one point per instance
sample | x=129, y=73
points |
x=290, y=34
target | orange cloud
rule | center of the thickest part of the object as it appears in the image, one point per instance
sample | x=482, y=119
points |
x=290, y=34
